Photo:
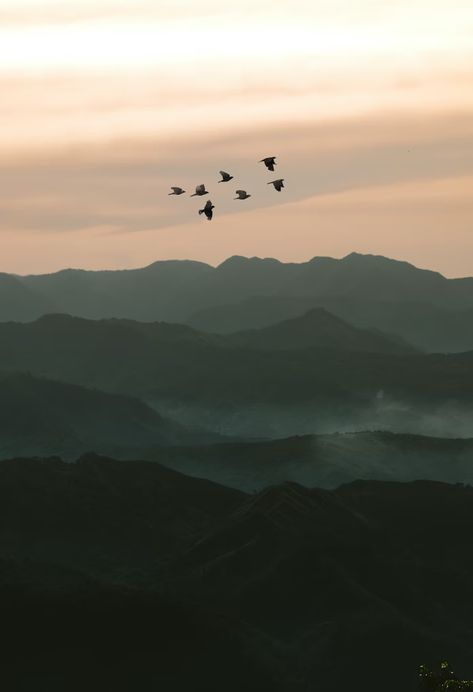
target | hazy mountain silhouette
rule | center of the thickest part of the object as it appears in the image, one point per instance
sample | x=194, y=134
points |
x=428, y=327
x=39, y=416
x=174, y=290
x=207, y=380
x=325, y=461
x=319, y=328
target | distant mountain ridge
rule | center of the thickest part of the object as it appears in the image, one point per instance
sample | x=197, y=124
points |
x=174, y=290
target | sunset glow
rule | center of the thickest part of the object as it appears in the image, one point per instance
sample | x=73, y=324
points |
x=136, y=96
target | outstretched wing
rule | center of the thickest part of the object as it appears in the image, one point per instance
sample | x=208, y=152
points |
x=200, y=188
x=225, y=175
x=176, y=189
x=241, y=192
x=269, y=162
x=208, y=205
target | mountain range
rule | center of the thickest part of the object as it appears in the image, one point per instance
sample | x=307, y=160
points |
x=270, y=382
x=420, y=306
x=252, y=476
x=134, y=574
x=325, y=461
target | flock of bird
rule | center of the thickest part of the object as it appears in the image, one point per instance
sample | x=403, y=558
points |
x=269, y=162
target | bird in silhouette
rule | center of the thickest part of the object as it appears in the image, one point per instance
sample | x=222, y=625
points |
x=176, y=191
x=207, y=210
x=278, y=184
x=225, y=177
x=200, y=190
x=269, y=162
x=242, y=194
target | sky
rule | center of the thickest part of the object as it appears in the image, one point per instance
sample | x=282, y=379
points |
x=106, y=103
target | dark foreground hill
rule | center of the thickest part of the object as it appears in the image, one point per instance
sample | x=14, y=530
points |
x=101, y=637
x=40, y=416
x=288, y=589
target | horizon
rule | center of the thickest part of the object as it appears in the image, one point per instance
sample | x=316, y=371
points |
x=238, y=256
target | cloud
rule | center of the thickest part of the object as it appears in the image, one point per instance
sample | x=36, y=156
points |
x=391, y=185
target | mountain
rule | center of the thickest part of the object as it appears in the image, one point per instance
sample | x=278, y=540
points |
x=175, y=290
x=127, y=572
x=39, y=416
x=68, y=633
x=325, y=461
x=101, y=516
x=255, y=312
x=427, y=327
x=318, y=328
x=209, y=381
x=359, y=581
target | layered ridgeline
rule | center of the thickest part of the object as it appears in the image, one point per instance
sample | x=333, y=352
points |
x=325, y=461
x=127, y=572
x=314, y=374
x=40, y=417
x=423, y=307
x=44, y=417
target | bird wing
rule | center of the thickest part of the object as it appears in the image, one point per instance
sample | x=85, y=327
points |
x=176, y=189
x=224, y=175
x=200, y=188
x=208, y=205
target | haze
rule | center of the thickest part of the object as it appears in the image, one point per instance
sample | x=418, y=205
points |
x=368, y=107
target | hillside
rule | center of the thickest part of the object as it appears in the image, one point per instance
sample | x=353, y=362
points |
x=325, y=461
x=123, y=515
x=318, y=328
x=39, y=416
x=208, y=381
x=427, y=327
x=301, y=588
x=174, y=290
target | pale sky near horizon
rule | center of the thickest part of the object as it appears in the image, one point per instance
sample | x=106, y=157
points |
x=106, y=103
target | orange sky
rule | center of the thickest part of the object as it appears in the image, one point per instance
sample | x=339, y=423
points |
x=106, y=103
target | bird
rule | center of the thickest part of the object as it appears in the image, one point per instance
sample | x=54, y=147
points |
x=207, y=210
x=225, y=177
x=177, y=191
x=278, y=184
x=242, y=194
x=200, y=190
x=269, y=162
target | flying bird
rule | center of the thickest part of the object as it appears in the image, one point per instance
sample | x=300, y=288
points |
x=242, y=194
x=269, y=162
x=207, y=210
x=200, y=190
x=225, y=177
x=278, y=184
x=177, y=191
